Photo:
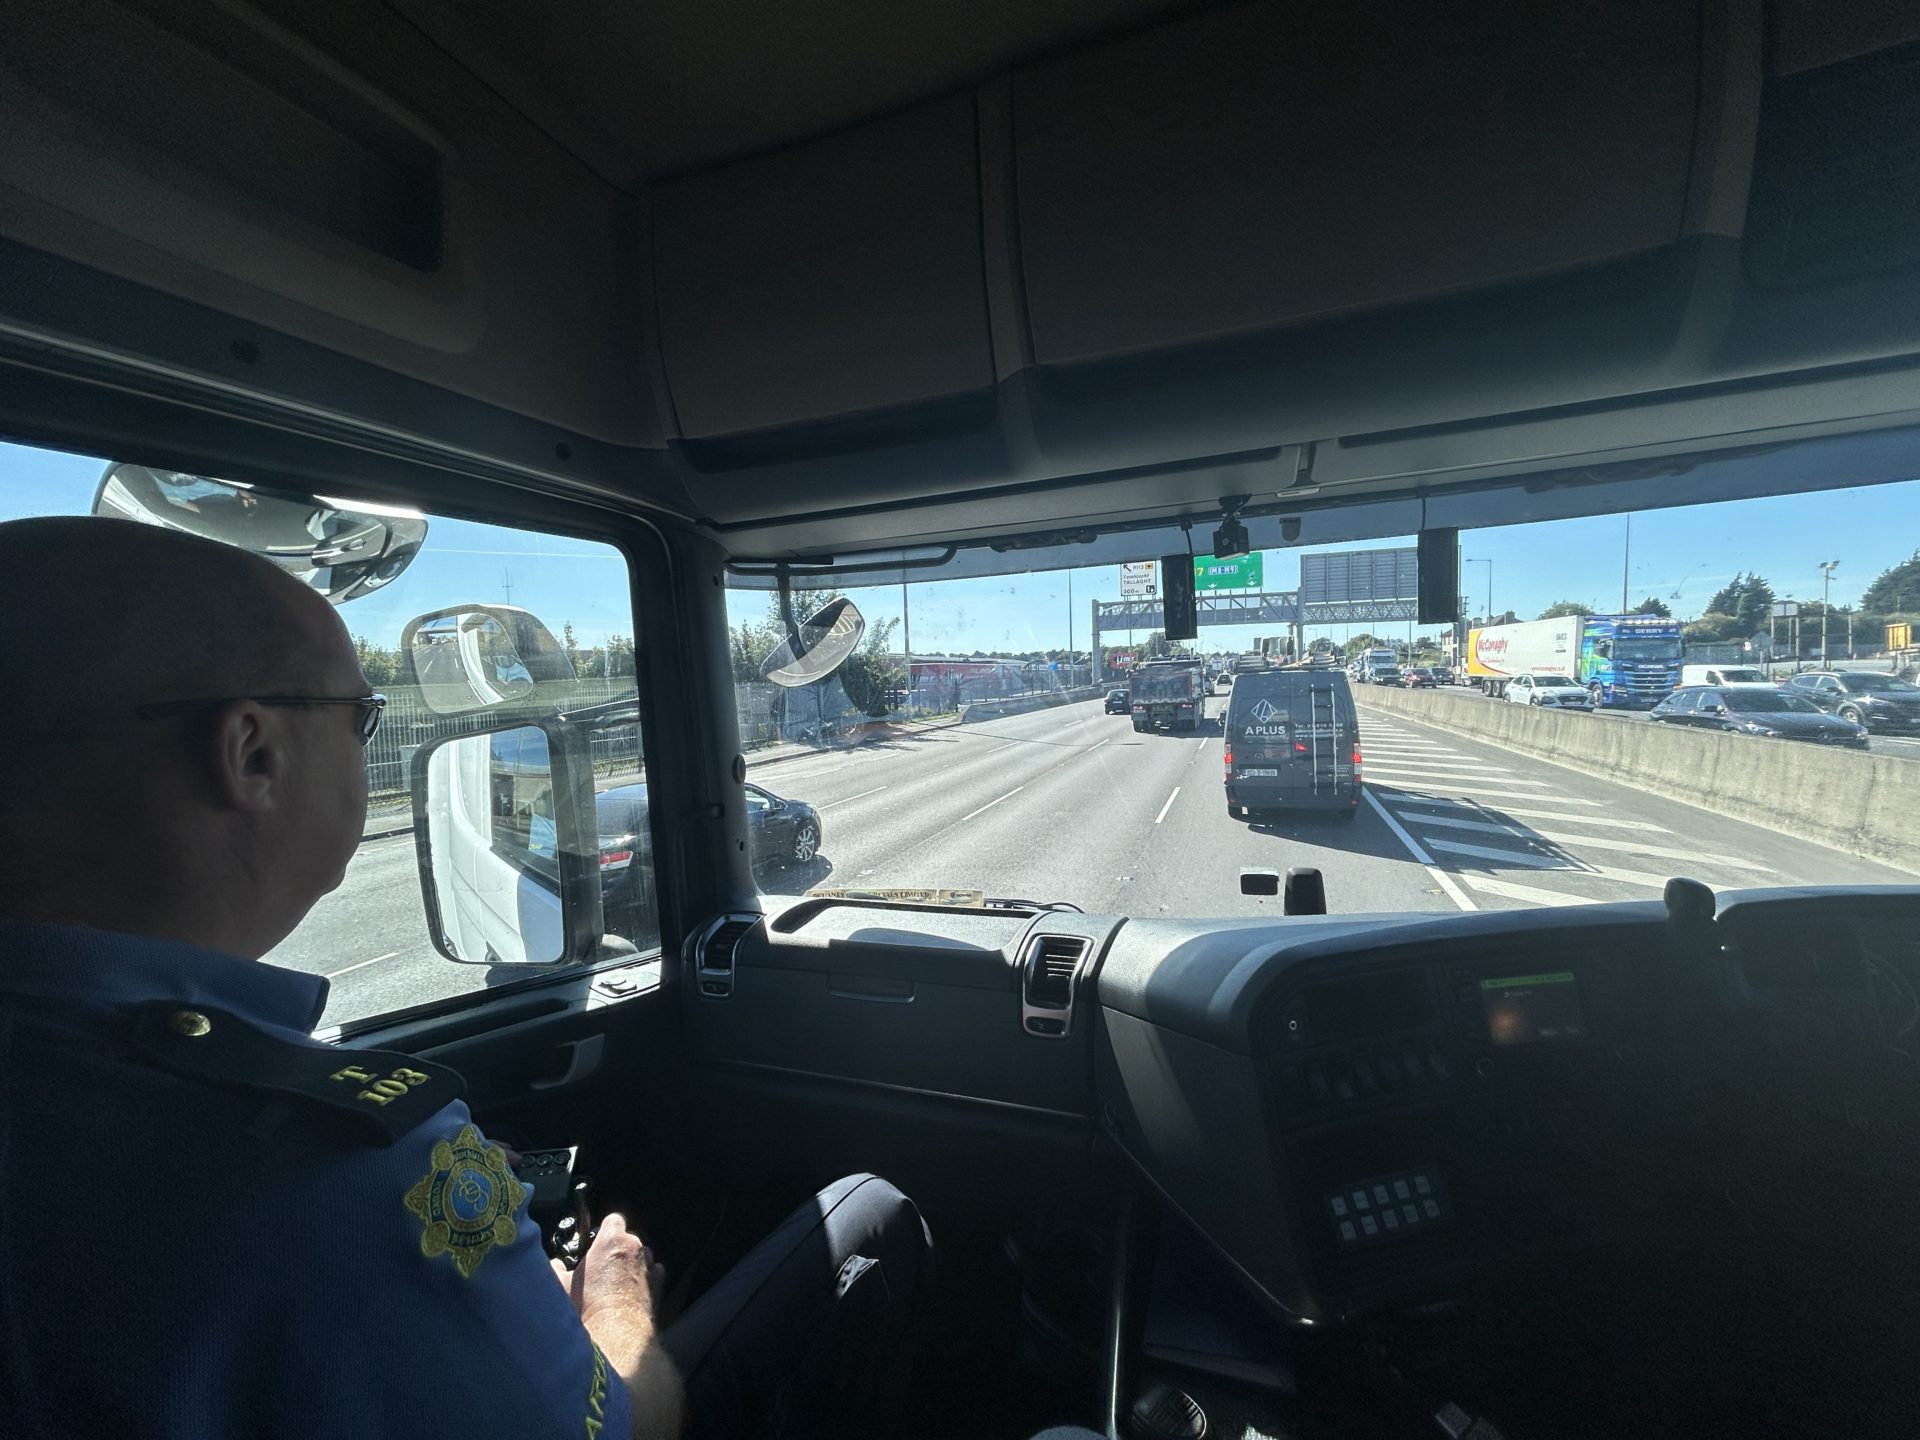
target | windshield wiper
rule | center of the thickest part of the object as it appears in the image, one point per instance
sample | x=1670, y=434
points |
x=1006, y=903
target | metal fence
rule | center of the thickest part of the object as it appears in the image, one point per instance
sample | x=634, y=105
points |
x=409, y=724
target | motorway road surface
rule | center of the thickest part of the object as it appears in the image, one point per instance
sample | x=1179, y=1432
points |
x=1071, y=804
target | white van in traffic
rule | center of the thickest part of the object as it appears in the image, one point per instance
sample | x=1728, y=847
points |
x=1723, y=675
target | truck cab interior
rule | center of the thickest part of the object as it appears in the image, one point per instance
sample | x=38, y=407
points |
x=754, y=294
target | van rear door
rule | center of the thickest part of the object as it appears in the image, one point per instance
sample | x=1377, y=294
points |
x=1324, y=739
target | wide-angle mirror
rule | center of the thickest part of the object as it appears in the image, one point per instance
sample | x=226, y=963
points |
x=816, y=647
x=342, y=550
x=486, y=657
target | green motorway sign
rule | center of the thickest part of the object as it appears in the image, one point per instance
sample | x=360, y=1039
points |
x=1243, y=572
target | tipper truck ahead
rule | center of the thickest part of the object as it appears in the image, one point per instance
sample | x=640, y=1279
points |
x=1627, y=662
x=1167, y=695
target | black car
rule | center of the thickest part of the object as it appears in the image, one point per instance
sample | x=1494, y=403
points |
x=1442, y=674
x=1757, y=710
x=780, y=833
x=1878, y=701
x=1117, y=703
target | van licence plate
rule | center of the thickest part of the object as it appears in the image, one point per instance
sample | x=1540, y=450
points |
x=1253, y=774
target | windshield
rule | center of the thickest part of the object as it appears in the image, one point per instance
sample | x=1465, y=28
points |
x=996, y=768
x=1880, y=684
x=1756, y=702
x=1647, y=647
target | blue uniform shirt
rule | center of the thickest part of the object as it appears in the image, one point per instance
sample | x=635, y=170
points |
x=183, y=1259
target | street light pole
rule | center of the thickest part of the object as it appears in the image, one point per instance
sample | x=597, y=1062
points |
x=1827, y=567
x=1626, y=556
x=1489, y=565
x=906, y=639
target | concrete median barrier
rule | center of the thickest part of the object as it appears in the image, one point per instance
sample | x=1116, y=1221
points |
x=1857, y=801
x=999, y=709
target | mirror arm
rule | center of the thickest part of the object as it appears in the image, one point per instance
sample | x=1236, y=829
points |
x=784, y=576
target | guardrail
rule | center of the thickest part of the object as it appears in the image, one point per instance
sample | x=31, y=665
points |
x=1857, y=801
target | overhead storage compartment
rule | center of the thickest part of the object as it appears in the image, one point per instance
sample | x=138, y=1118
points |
x=1266, y=165
x=835, y=278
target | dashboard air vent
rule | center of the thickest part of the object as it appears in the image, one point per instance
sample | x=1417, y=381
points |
x=715, y=954
x=1047, y=979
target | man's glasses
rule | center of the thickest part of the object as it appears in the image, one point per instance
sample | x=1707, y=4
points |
x=372, y=707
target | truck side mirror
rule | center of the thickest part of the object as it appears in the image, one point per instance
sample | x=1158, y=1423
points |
x=486, y=657
x=506, y=845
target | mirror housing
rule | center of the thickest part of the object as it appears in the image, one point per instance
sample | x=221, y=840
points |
x=343, y=551
x=470, y=658
x=505, y=842
x=817, y=647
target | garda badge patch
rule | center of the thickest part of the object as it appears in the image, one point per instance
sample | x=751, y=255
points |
x=466, y=1202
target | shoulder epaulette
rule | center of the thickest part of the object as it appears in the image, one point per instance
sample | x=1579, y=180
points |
x=382, y=1093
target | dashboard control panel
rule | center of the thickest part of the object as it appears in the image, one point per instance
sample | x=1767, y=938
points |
x=1387, y=1207
x=1356, y=1040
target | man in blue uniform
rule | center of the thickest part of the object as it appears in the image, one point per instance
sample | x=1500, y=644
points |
x=212, y=1225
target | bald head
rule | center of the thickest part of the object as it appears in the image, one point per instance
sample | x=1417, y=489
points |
x=243, y=814
x=114, y=612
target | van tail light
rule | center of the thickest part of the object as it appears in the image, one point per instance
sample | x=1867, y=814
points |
x=1356, y=757
x=1300, y=747
x=1226, y=754
x=615, y=859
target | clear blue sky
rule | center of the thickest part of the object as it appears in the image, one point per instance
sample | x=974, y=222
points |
x=1681, y=555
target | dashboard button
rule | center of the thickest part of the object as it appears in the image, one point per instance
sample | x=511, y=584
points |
x=1400, y=1190
x=1412, y=1214
x=1339, y=1206
x=1360, y=1201
x=1369, y=1226
x=1423, y=1185
x=1432, y=1207
x=1380, y=1195
x=1343, y=1090
x=1347, y=1232
x=1390, y=1219
x=1437, y=1065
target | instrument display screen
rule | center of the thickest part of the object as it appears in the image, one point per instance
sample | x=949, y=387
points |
x=1522, y=1009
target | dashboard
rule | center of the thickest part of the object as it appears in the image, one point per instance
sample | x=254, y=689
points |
x=1364, y=1112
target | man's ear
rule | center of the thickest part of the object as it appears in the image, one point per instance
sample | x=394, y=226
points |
x=248, y=755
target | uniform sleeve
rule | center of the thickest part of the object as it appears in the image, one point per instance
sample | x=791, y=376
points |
x=463, y=1328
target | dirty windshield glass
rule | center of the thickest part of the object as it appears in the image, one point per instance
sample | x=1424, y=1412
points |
x=969, y=743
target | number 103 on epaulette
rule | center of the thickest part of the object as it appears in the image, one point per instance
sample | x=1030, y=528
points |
x=380, y=1091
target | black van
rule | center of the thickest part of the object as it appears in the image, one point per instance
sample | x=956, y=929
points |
x=1293, y=742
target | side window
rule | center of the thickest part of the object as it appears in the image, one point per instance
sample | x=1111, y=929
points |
x=369, y=937
x=1684, y=702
